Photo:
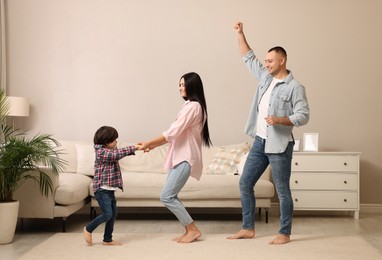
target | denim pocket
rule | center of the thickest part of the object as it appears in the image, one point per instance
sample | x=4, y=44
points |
x=283, y=105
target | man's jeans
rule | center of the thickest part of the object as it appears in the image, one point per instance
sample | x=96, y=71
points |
x=255, y=165
x=108, y=204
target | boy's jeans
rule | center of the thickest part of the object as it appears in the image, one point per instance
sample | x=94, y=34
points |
x=108, y=204
x=257, y=162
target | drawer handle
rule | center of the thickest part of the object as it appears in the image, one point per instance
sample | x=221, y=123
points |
x=345, y=164
x=345, y=200
x=296, y=163
x=345, y=182
x=296, y=200
x=296, y=181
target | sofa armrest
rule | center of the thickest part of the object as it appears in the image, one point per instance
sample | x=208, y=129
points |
x=33, y=204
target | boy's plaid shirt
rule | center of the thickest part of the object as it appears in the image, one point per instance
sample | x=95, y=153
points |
x=106, y=166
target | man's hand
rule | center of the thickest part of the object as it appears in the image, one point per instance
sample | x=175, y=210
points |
x=238, y=27
x=273, y=120
x=243, y=45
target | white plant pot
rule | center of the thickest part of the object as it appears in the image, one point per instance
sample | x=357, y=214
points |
x=8, y=220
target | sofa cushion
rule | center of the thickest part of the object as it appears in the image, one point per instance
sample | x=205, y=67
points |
x=145, y=162
x=69, y=154
x=139, y=185
x=207, y=154
x=72, y=188
x=240, y=165
x=225, y=161
x=85, y=159
x=149, y=186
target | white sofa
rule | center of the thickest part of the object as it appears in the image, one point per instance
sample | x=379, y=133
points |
x=70, y=191
x=144, y=177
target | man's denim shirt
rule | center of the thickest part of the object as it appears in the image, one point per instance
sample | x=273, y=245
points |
x=288, y=98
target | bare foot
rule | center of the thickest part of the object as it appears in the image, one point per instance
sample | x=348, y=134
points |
x=88, y=237
x=190, y=236
x=280, y=239
x=177, y=239
x=112, y=243
x=243, y=233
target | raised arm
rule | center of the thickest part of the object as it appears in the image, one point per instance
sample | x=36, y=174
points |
x=243, y=44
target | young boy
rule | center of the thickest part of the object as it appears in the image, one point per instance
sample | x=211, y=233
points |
x=107, y=178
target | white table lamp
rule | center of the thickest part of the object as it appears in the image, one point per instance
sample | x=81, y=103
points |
x=18, y=106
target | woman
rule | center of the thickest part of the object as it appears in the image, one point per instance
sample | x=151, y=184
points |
x=184, y=157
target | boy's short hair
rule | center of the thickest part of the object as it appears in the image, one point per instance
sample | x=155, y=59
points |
x=105, y=135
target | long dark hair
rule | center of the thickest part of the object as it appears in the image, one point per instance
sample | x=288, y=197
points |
x=194, y=92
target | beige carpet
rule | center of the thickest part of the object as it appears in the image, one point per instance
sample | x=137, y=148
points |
x=210, y=246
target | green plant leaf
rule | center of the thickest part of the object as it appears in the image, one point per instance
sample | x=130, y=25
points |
x=20, y=157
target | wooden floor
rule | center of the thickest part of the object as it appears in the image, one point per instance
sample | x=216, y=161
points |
x=35, y=231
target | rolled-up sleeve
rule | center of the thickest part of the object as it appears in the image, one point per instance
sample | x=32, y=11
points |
x=301, y=111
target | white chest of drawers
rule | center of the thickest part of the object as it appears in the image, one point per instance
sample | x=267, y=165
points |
x=326, y=181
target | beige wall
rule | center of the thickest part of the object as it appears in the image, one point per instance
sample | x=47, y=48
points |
x=87, y=63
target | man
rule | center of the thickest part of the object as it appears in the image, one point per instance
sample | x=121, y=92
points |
x=280, y=103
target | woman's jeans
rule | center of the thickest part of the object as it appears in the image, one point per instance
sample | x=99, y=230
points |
x=108, y=204
x=255, y=165
x=176, y=179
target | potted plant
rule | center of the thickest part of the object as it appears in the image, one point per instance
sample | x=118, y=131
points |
x=19, y=158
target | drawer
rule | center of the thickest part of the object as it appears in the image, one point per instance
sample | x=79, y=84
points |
x=325, y=200
x=324, y=181
x=325, y=163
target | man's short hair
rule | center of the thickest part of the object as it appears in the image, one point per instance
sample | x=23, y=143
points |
x=279, y=50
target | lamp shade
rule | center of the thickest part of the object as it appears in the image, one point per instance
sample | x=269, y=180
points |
x=18, y=106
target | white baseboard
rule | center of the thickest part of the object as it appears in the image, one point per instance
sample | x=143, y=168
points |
x=275, y=209
x=364, y=208
x=371, y=208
